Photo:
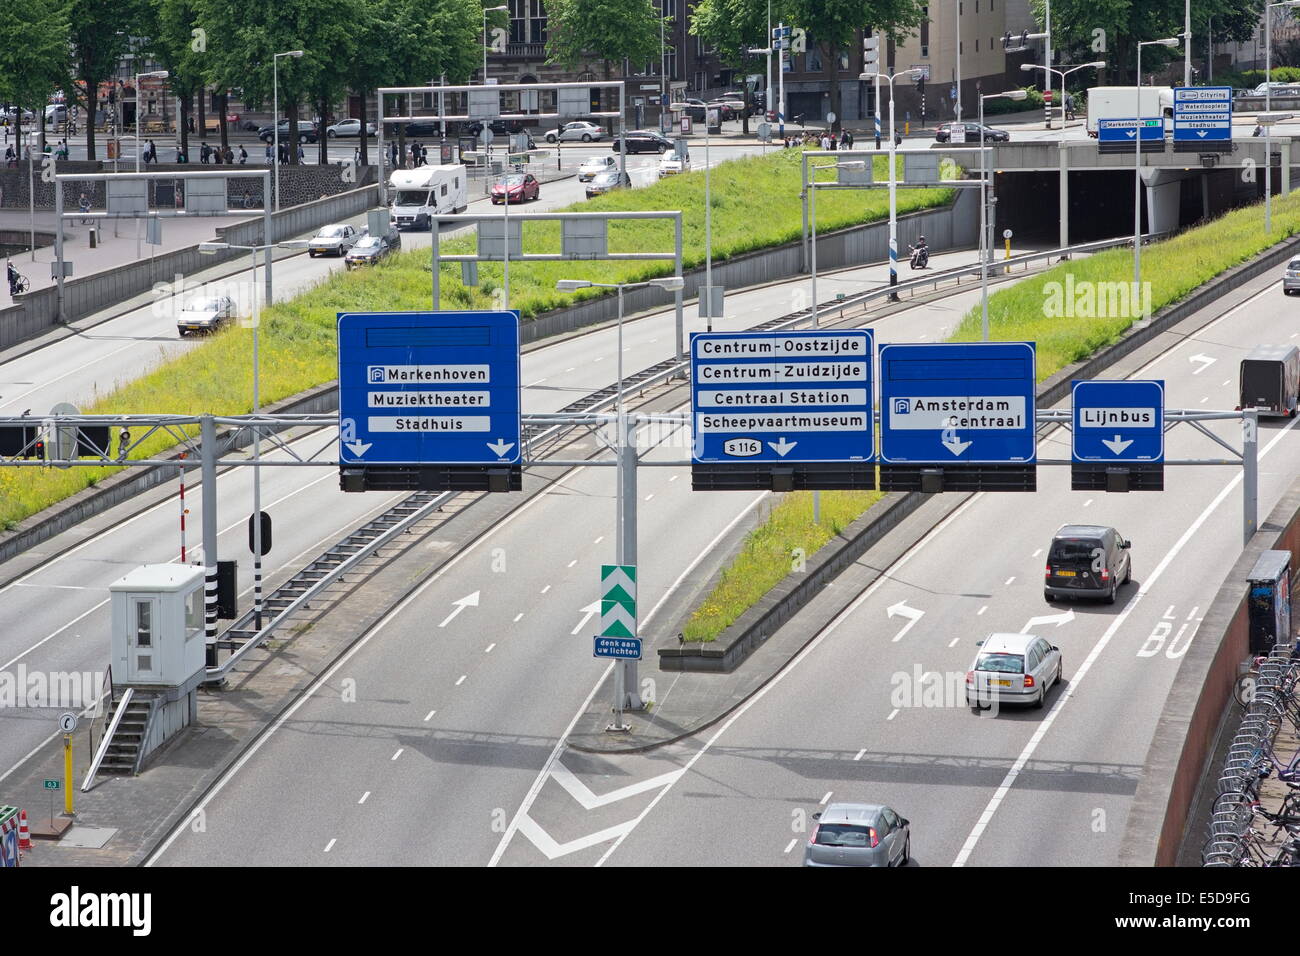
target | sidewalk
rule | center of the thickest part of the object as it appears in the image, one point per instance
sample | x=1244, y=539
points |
x=111, y=251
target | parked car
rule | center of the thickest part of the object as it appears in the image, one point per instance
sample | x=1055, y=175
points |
x=349, y=127
x=422, y=128
x=670, y=164
x=501, y=130
x=594, y=166
x=578, y=131
x=1087, y=561
x=369, y=250
x=333, y=240
x=206, y=314
x=308, y=132
x=944, y=133
x=1291, y=278
x=1013, y=669
x=517, y=188
x=604, y=182
x=696, y=109
x=644, y=141
x=859, y=834
x=728, y=109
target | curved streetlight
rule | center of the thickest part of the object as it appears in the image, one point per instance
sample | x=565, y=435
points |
x=893, y=193
x=1137, y=162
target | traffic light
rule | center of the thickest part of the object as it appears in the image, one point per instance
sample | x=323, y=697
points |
x=38, y=451
x=870, y=53
x=920, y=83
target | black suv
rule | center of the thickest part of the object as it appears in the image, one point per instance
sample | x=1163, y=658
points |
x=1087, y=560
x=644, y=141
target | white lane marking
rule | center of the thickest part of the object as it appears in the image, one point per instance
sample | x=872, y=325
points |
x=429, y=716
x=798, y=658
x=1192, y=613
x=860, y=753
x=1227, y=381
x=892, y=714
x=521, y=819
x=545, y=589
x=953, y=642
x=329, y=846
x=674, y=477
x=649, y=496
x=552, y=850
x=599, y=540
x=791, y=845
x=590, y=800
x=531, y=384
x=365, y=796
x=1088, y=502
x=1009, y=780
x=573, y=562
x=1009, y=580
x=21, y=654
x=461, y=680
x=73, y=371
x=489, y=648
x=1037, y=553
x=518, y=617
x=568, y=369
x=398, y=754
x=827, y=797
x=61, y=587
x=981, y=610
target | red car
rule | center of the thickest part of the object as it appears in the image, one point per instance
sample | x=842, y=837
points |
x=520, y=187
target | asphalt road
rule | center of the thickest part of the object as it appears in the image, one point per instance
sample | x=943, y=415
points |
x=852, y=718
x=454, y=720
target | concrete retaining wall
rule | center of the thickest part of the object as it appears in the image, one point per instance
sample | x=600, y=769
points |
x=36, y=312
x=1178, y=759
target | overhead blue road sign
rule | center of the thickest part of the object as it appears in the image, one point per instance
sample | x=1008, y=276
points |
x=782, y=396
x=1123, y=130
x=619, y=648
x=1202, y=114
x=421, y=388
x=1120, y=421
x=957, y=403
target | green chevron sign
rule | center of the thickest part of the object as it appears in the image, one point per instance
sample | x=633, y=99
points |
x=618, y=600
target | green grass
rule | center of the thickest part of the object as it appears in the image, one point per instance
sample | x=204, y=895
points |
x=1174, y=268
x=755, y=204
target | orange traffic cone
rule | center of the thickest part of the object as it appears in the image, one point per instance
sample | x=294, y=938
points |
x=24, y=836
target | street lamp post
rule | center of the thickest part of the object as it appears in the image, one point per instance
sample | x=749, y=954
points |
x=984, y=184
x=625, y=682
x=275, y=118
x=1137, y=165
x=893, y=191
x=210, y=248
x=1096, y=64
x=708, y=224
x=486, y=11
x=163, y=74
x=1268, y=121
x=811, y=186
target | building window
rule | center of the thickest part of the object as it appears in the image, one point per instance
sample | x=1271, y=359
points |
x=518, y=21
x=925, y=51
x=977, y=49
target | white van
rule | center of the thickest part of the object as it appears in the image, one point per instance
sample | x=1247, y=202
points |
x=421, y=195
x=1121, y=102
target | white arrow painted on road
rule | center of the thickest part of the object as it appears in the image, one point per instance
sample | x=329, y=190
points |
x=1058, y=619
x=358, y=448
x=1205, y=361
x=501, y=447
x=586, y=612
x=1116, y=445
x=955, y=445
x=469, y=600
x=908, y=612
x=781, y=447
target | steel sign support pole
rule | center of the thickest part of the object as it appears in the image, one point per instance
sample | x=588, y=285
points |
x=208, y=450
x=1250, y=474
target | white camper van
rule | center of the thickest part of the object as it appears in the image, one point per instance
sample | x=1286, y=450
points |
x=420, y=195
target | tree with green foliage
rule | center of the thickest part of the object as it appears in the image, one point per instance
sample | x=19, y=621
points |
x=175, y=45
x=243, y=37
x=34, y=58
x=732, y=28
x=833, y=24
x=578, y=31
x=101, y=35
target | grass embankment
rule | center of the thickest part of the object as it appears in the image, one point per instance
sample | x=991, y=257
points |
x=1173, y=268
x=769, y=553
x=755, y=203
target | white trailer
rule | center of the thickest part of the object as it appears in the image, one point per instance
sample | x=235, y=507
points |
x=420, y=195
x=1121, y=102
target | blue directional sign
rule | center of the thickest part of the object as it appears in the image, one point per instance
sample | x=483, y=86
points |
x=1120, y=421
x=1202, y=114
x=619, y=648
x=1123, y=130
x=421, y=388
x=782, y=396
x=957, y=403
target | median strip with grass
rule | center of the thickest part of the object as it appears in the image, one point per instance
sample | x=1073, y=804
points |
x=1071, y=310
x=755, y=204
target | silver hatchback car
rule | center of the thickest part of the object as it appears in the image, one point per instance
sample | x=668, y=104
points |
x=1013, y=669
x=1291, y=278
x=859, y=834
